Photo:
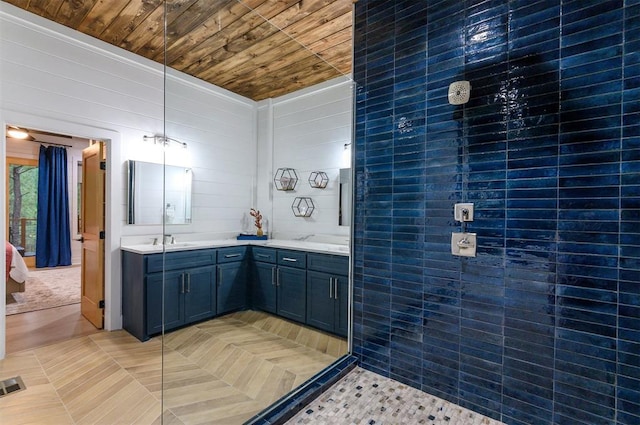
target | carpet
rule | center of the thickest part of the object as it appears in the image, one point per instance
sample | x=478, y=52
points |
x=47, y=288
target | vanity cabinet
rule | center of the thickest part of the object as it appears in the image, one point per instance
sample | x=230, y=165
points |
x=305, y=287
x=263, y=288
x=328, y=292
x=279, y=282
x=189, y=287
x=291, y=281
x=232, y=279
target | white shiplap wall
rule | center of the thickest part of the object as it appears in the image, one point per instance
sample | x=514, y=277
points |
x=53, y=78
x=308, y=131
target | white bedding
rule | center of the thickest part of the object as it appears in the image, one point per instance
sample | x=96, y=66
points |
x=19, y=270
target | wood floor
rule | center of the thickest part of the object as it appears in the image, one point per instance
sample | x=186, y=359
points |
x=222, y=371
x=43, y=327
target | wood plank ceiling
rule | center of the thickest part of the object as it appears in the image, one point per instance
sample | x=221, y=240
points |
x=256, y=48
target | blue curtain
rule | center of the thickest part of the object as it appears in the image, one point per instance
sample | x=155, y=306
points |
x=53, y=235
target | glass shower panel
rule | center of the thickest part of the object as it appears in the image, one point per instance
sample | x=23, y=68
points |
x=228, y=352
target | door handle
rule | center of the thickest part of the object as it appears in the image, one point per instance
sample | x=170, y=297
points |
x=232, y=255
x=273, y=276
x=188, y=282
x=335, y=289
x=182, y=283
x=330, y=287
x=277, y=277
x=80, y=239
x=289, y=259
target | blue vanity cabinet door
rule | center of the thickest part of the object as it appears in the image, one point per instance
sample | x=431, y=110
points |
x=328, y=292
x=263, y=279
x=292, y=293
x=320, y=301
x=328, y=302
x=342, y=306
x=232, y=287
x=263, y=288
x=232, y=279
x=173, y=307
x=199, y=294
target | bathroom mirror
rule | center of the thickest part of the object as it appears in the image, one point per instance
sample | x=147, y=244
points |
x=345, y=192
x=148, y=203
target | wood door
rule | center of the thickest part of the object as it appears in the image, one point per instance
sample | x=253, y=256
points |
x=92, y=218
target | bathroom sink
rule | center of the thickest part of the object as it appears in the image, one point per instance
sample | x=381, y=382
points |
x=179, y=245
x=308, y=246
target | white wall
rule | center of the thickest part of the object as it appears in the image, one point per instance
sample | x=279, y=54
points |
x=307, y=131
x=56, y=79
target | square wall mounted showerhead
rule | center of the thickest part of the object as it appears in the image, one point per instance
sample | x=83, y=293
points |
x=459, y=92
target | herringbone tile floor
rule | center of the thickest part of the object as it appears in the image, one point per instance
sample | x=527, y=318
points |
x=222, y=371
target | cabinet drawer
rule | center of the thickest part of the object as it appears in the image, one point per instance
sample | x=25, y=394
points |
x=231, y=254
x=265, y=255
x=292, y=258
x=336, y=264
x=180, y=260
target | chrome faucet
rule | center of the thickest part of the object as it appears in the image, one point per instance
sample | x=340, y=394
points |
x=169, y=240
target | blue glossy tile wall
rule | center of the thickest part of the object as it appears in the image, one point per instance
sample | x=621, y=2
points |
x=543, y=326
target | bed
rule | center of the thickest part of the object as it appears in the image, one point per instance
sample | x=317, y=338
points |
x=16, y=271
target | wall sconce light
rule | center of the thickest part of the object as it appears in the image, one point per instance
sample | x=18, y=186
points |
x=346, y=155
x=165, y=141
x=303, y=207
x=318, y=179
x=285, y=179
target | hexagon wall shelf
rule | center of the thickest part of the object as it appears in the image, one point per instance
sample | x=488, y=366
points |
x=303, y=207
x=285, y=179
x=318, y=179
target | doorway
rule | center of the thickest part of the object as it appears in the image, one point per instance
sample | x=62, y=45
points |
x=20, y=153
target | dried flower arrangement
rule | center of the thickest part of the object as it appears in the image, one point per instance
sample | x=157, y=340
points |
x=258, y=220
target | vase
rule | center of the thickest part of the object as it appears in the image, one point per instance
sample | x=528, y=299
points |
x=259, y=232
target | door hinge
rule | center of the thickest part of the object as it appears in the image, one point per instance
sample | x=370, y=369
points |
x=102, y=235
x=103, y=165
x=101, y=304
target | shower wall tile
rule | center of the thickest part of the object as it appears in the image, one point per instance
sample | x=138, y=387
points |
x=543, y=325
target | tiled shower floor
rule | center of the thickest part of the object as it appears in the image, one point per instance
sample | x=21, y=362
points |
x=363, y=397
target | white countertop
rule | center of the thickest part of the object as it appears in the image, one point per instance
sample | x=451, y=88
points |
x=320, y=247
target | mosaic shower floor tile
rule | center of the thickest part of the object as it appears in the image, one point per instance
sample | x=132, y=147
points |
x=366, y=398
